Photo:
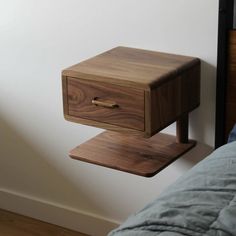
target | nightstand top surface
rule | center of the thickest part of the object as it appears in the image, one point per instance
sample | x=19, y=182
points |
x=131, y=67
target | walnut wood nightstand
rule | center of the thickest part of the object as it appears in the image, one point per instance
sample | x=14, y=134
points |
x=136, y=93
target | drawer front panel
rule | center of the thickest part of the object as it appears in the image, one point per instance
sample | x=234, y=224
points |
x=106, y=103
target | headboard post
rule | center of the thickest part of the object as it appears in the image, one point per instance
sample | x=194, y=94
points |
x=225, y=23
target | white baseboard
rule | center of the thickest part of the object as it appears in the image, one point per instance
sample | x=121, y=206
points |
x=55, y=214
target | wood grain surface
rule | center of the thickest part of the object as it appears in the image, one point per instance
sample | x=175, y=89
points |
x=131, y=67
x=129, y=112
x=12, y=224
x=174, y=99
x=172, y=89
x=230, y=106
x=139, y=92
x=139, y=156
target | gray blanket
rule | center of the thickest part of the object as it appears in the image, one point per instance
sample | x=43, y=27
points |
x=202, y=202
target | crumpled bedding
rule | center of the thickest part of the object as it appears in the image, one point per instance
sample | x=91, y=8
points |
x=232, y=135
x=201, y=203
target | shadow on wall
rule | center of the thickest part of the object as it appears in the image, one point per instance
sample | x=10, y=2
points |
x=23, y=170
x=197, y=154
x=203, y=118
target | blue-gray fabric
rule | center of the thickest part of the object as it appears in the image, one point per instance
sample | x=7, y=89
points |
x=232, y=135
x=201, y=203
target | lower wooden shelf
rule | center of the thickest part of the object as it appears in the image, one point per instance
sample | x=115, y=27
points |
x=136, y=155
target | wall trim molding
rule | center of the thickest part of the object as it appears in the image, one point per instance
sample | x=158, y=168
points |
x=57, y=214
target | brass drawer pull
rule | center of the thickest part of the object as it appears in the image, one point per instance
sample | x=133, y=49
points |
x=108, y=104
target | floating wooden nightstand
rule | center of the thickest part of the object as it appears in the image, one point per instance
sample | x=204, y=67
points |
x=136, y=93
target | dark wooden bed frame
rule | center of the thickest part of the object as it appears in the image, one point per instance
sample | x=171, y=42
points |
x=226, y=73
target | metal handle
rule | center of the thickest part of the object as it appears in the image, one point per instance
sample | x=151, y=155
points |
x=107, y=104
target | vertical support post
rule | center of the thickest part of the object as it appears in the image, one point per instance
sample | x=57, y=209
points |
x=182, y=129
x=225, y=23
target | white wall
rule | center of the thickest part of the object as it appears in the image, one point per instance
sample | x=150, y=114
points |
x=40, y=38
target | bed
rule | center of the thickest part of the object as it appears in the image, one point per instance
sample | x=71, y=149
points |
x=203, y=201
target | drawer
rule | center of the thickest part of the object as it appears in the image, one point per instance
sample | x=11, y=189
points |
x=106, y=103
